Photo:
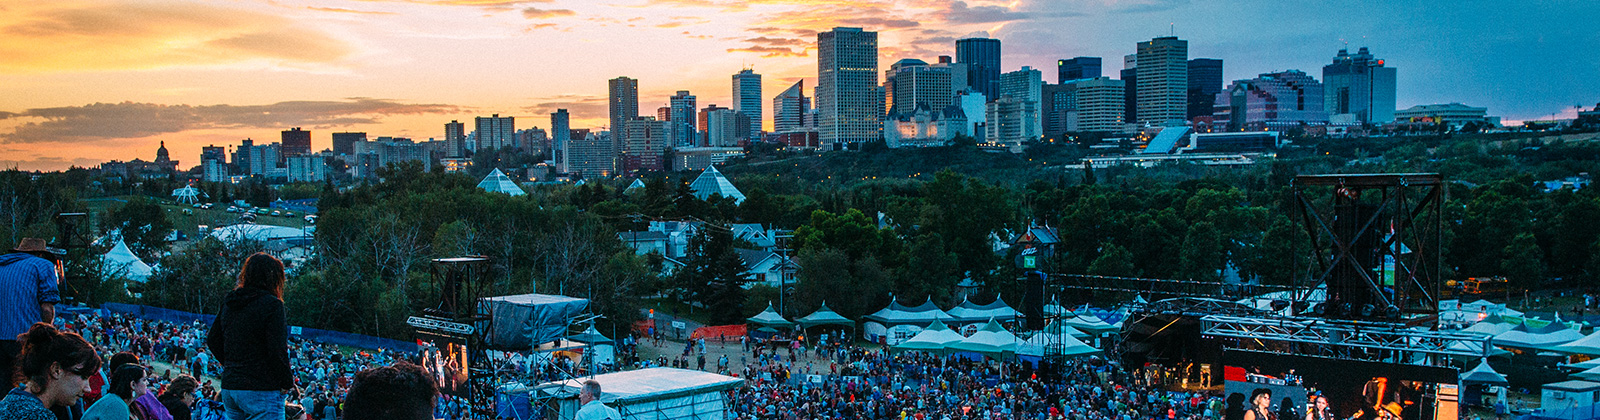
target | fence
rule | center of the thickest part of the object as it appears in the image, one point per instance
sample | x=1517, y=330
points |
x=325, y=336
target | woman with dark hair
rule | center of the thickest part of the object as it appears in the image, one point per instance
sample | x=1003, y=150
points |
x=400, y=392
x=251, y=338
x=56, y=367
x=179, y=397
x=127, y=382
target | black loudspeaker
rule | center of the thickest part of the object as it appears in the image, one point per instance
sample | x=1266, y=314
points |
x=1347, y=286
x=1033, y=300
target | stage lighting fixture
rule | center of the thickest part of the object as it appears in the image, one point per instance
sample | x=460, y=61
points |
x=1366, y=310
x=1320, y=309
x=1391, y=312
x=1278, y=305
x=1346, y=308
x=1300, y=307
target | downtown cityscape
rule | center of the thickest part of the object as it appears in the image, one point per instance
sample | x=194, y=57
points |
x=778, y=209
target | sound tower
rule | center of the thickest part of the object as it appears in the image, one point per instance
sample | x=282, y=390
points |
x=1348, y=290
x=1033, y=300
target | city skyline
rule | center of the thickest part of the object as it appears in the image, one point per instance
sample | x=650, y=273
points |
x=87, y=82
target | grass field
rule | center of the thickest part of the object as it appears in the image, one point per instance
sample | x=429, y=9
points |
x=189, y=222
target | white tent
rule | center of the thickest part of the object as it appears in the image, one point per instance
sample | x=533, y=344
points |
x=1483, y=374
x=1588, y=375
x=898, y=322
x=1089, y=324
x=257, y=233
x=1055, y=309
x=1589, y=345
x=650, y=394
x=992, y=340
x=1055, y=340
x=968, y=312
x=1546, y=337
x=936, y=338
x=602, y=348
x=1491, y=326
x=1584, y=365
x=498, y=182
x=121, y=262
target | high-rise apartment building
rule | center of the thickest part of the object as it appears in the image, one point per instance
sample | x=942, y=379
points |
x=683, y=119
x=1359, y=86
x=1205, y=81
x=1027, y=85
x=849, y=100
x=624, y=106
x=747, y=100
x=1130, y=88
x=703, y=128
x=495, y=132
x=592, y=154
x=344, y=143
x=1007, y=122
x=216, y=153
x=789, y=108
x=647, y=140
x=910, y=81
x=1097, y=105
x=1077, y=68
x=561, y=140
x=241, y=156
x=722, y=127
x=982, y=59
x=296, y=142
x=1163, y=69
x=1272, y=101
x=455, y=139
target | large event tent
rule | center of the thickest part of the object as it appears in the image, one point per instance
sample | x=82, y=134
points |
x=770, y=318
x=898, y=322
x=936, y=338
x=971, y=313
x=1090, y=324
x=1541, y=338
x=122, y=262
x=1055, y=340
x=650, y=394
x=1589, y=345
x=991, y=340
x=1491, y=325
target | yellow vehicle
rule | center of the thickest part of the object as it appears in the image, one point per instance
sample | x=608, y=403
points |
x=1481, y=285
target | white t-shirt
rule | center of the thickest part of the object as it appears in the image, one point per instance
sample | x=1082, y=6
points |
x=594, y=410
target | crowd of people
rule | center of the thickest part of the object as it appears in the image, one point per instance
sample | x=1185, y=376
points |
x=860, y=383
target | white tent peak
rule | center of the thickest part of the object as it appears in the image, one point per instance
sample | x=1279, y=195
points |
x=121, y=261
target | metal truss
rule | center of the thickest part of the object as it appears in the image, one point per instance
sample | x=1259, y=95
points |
x=1355, y=340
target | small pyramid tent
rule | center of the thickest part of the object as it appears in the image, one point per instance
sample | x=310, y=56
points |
x=1090, y=324
x=121, y=261
x=590, y=336
x=824, y=316
x=498, y=182
x=1055, y=340
x=936, y=338
x=1484, y=374
x=770, y=318
x=712, y=182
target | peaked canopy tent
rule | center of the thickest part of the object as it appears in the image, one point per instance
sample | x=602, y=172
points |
x=1588, y=345
x=121, y=261
x=603, y=348
x=1055, y=340
x=498, y=182
x=992, y=340
x=1090, y=324
x=824, y=316
x=970, y=313
x=1541, y=338
x=1593, y=374
x=1473, y=381
x=770, y=318
x=935, y=339
x=1491, y=325
x=898, y=323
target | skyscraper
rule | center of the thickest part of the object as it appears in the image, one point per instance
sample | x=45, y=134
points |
x=297, y=142
x=703, y=128
x=789, y=108
x=1097, y=105
x=982, y=57
x=495, y=132
x=1205, y=81
x=1271, y=101
x=849, y=100
x=1130, y=88
x=216, y=153
x=561, y=141
x=1163, y=69
x=1026, y=85
x=591, y=154
x=911, y=81
x=682, y=119
x=624, y=105
x=455, y=139
x=1077, y=68
x=747, y=100
x=647, y=139
x=1359, y=86
x=344, y=143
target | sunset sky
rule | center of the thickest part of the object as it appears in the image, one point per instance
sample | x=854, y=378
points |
x=83, y=82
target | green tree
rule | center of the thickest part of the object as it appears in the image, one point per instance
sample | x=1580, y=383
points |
x=1524, y=262
x=713, y=275
x=1202, y=256
x=144, y=224
x=1113, y=261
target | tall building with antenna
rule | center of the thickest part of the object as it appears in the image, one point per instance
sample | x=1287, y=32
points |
x=747, y=100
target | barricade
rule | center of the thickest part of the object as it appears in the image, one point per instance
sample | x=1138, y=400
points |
x=319, y=335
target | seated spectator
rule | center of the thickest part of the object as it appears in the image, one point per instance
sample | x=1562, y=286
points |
x=127, y=382
x=56, y=367
x=399, y=392
x=179, y=397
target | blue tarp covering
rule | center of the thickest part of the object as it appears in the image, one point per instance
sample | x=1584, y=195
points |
x=325, y=336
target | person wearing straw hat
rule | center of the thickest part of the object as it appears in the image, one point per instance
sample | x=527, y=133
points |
x=28, y=294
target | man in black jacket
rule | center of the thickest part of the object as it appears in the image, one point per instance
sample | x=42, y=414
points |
x=251, y=338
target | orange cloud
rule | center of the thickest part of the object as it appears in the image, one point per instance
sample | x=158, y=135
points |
x=536, y=13
x=102, y=121
x=156, y=35
x=771, y=51
x=339, y=10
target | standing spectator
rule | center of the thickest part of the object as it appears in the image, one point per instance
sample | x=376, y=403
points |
x=400, y=392
x=179, y=397
x=127, y=382
x=251, y=338
x=28, y=277
x=56, y=367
